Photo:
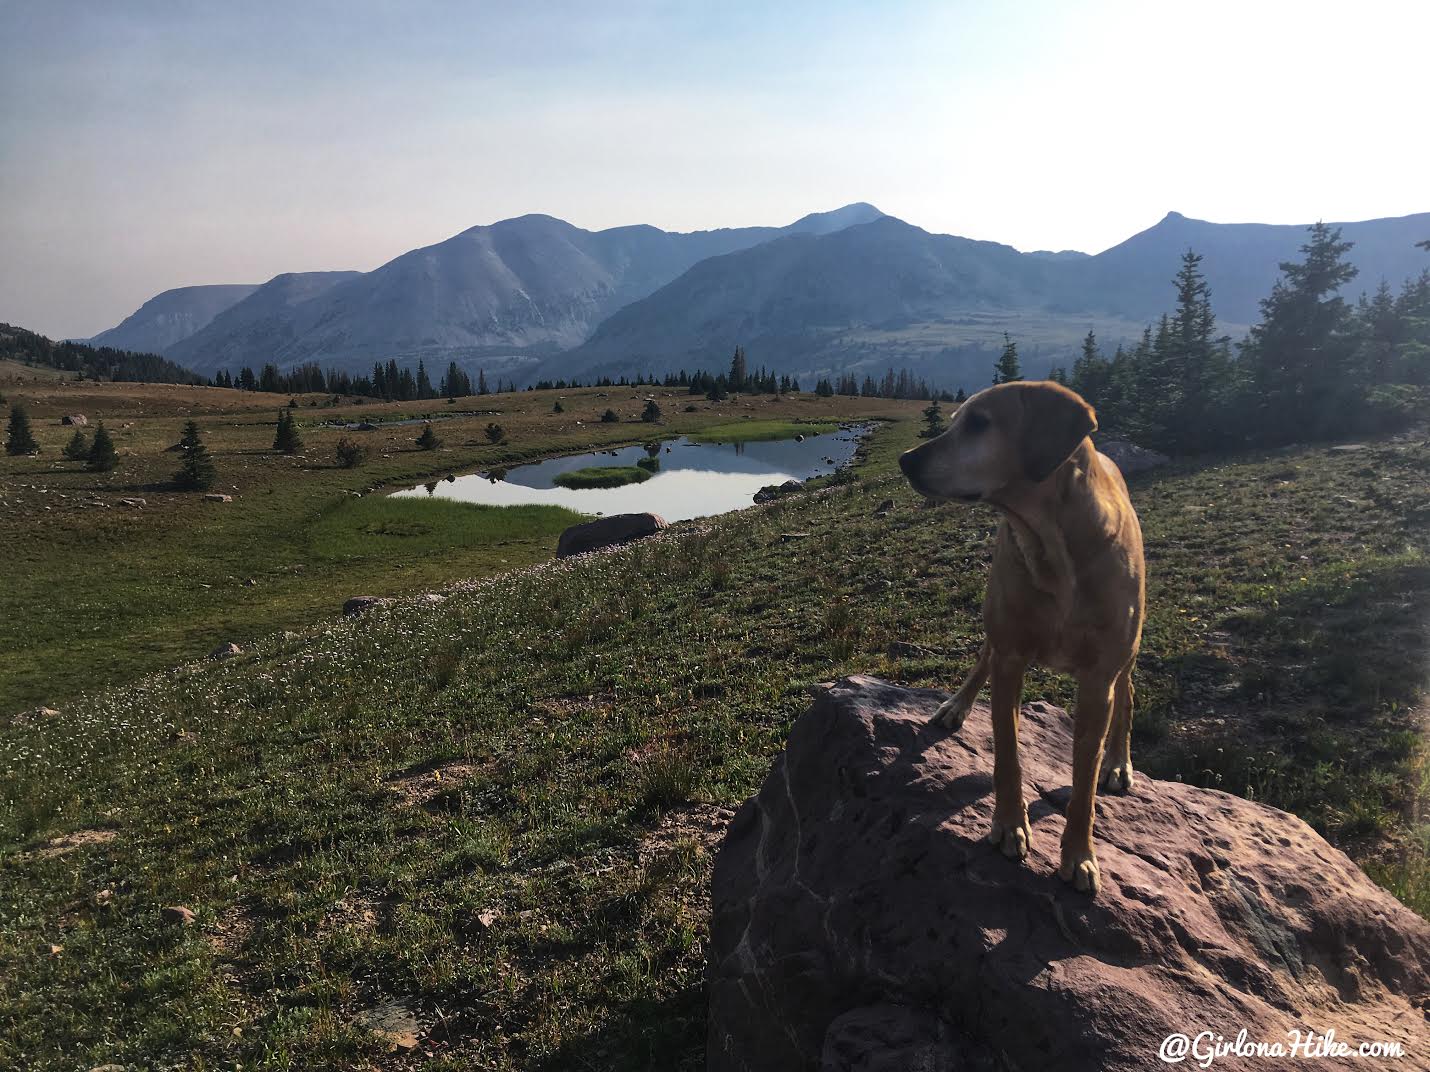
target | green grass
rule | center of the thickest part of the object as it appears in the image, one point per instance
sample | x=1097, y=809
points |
x=379, y=525
x=342, y=807
x=601, y=476
x=756, y=430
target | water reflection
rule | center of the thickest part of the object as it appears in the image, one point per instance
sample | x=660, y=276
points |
x=693, y=479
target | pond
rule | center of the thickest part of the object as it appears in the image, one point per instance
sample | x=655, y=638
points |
x=694, y=479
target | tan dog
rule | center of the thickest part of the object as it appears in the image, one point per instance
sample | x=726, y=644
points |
x=1066, y=590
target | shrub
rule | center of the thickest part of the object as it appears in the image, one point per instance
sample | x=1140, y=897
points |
x=196, y=470
x=102, y=455
x=651, y=413
x=558, y=407
x=77, y=449
x=650, y=465
x=349, y=453
x=428, y=439
x=20, y=440
x=495, y=432
x=610, y=417
x=286, y=438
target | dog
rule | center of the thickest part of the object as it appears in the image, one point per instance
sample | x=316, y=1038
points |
x=1067, y=590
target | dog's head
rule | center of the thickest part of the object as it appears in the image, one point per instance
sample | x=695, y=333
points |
x=1010, y=434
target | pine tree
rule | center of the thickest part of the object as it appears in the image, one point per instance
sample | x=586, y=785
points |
x=933, y=420
x=1007, y=370
x=77, y=449
x=1301, y=351
x=428, y=439
x=651, y=413
x=20, y=439
x=424, y=385
x=102, y=455
x=495, y=432
x=557, y=407
x=196, y=468
x=738, y=373
x=961, y=397
x=286, y=439
x=482, y=388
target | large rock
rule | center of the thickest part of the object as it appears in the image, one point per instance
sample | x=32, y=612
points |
x=78, y=420
x=861, y=922
x=771, y=492
x=607, y=531
x=1131, y=458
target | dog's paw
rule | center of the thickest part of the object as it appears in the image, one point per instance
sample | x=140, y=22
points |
x=1011, y=837
x=1080, y=869
x=951, y=714
x=1118, y=777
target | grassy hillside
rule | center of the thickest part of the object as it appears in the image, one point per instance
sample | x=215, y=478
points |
x=498, y=812
x=98, y=592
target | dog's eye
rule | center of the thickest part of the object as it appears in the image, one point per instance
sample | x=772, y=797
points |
x=975, y=422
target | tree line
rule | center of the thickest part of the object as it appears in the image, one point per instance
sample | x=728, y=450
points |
x=91, y=362
x=1314, y=366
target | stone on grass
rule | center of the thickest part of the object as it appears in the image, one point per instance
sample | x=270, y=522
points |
x=361, y=604
x=607, y=532
x=135, y=502
x=771, y=492
x=177, y=914
x=226, y=651
x=79, y=420
x=861, y=921
x=217, y=497
x=1131, y=458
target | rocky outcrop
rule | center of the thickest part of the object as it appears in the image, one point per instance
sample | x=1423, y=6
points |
x=1131, y=458
x=606, y=532
x=77, y=420
x=771, y=492
x=861, y=922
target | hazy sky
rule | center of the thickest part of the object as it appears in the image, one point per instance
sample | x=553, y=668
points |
x=148, y=145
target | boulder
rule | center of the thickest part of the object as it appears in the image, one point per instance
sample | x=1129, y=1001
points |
x=178, y=915
x=607, y=532
x=225, y=651
x=860, y=921
x=771, y=492
x=218, y=497
x=361, y=604
x=1131, y=458
x=78, y=420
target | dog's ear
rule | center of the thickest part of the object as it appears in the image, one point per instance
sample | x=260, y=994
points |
x=1055, y=421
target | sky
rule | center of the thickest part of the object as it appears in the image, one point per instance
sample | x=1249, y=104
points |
x=149, y=145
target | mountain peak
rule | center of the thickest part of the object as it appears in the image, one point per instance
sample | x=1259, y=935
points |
x=836, y=220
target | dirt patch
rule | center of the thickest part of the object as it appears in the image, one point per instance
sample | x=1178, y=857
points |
x=703, y=824
x=65, y=844
x=418, y=787
x=233, y=932
x=358, y=912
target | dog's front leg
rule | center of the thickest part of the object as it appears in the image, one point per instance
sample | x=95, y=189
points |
x=954, y=710
x=1010, y=816
x=1094, y=712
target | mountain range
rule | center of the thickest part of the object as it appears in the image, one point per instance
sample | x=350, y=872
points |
x=849, y=290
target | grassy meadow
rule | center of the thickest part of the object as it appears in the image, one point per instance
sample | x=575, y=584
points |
x=98, y=592
x=476, y=834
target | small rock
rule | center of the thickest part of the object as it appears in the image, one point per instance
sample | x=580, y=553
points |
x=55, y=950
x=136, y=502
x=361, y=604
x=178, y=914
x=226, y=651
x=432, y=597
x=770, y=492
x=882, y=510
x=394, y=1023
x=788, y=537
x=46, y=712
x=103, y=898
x=217, y=497
x=79, y=420
x=250, y=583
x=487, y=917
